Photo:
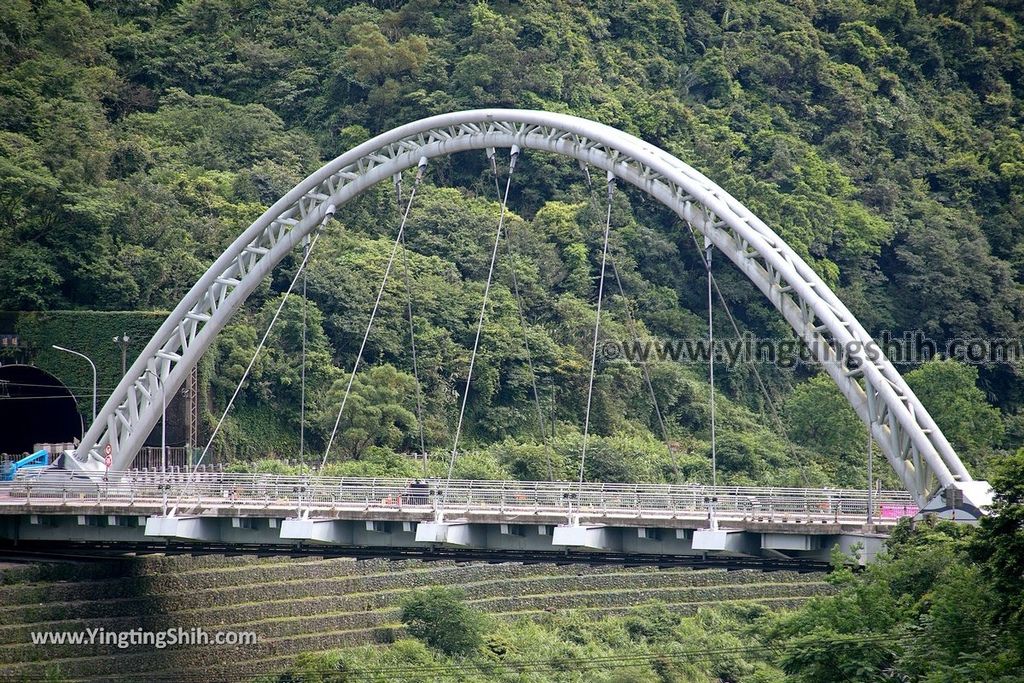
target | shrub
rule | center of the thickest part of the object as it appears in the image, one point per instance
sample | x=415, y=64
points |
x=439, y=618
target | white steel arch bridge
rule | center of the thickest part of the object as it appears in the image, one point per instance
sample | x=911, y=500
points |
x=914, y=446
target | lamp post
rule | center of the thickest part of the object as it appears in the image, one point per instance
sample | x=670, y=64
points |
x=122, y=341
x=163, y=421
x=93, y=366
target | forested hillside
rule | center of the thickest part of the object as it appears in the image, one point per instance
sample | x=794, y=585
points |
x=882, y=140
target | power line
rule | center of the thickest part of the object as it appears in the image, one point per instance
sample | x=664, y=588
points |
x=13, y=383
x=47, y=397
x=560, y=664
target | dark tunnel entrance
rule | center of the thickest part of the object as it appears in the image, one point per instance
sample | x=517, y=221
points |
x=35, y=407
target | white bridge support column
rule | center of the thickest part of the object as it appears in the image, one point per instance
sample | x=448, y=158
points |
x=908, y=436
x=863, y=547
x=800, y=542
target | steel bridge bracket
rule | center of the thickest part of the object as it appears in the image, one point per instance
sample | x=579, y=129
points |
x=962, y=501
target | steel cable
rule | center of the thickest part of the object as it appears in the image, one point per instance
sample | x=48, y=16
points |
x=480, y=322
x=376, y=306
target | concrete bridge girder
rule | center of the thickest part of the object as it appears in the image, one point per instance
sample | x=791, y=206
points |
x=815, y=542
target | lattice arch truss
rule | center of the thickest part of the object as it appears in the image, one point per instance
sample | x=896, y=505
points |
x=912, y=443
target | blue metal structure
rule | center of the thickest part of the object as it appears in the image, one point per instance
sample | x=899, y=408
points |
x=37, y=461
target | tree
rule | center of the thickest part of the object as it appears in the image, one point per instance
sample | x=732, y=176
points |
x=923, y=611
x=378, y=412
x=1000, y=543
x=30, y=279
x=948, y=389
x=531, y=461
x=440, y=618
x=819, y=418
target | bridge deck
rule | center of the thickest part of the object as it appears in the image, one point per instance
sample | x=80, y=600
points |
x=217, y=494
x=139, y=509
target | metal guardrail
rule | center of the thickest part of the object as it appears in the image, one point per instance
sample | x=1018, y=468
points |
x=311, y=492
x=152, y=457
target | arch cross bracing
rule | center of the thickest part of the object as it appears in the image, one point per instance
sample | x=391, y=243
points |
x=905, y=432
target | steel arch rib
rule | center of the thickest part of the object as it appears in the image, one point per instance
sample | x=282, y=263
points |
x=912, y=443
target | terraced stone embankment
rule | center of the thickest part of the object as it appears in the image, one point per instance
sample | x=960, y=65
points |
x=295, y=605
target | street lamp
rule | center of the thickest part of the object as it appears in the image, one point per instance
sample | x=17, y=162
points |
x=163, y=420
x=93, y=365
x=122, y=341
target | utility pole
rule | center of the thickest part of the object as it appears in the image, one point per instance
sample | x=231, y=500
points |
x=192, y=408
x=123, y=341
x=871, y=481
x=163, y=420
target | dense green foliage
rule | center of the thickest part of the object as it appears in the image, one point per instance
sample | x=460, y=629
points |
x=882, y=140
x=439, y=618
x=943, y=604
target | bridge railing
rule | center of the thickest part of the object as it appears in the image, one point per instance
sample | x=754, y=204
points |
x=459, y=495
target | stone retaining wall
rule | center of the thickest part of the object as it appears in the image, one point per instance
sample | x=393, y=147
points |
x=295, y=605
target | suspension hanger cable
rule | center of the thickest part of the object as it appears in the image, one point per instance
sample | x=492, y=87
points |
x=412, y=329
x=739, y=335
x=711, y=363
x=259, y=347
x=635, y=333
x=513, y=156
x=302, y=393
x=770, y=402
x=522, y=322
x=597, y=324
x=421, y=169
